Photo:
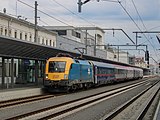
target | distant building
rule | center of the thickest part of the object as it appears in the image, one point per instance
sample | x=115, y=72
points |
x=85, y=35
x=139, y=61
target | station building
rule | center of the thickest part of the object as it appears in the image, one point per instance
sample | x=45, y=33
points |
x=23, y=69
x=22, y=64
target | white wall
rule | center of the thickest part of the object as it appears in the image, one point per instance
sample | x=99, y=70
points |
x=24, y=31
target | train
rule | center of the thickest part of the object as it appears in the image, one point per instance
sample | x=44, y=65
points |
x=65, y=73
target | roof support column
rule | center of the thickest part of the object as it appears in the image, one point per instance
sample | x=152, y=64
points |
x=12, y=72
x=36, y=72
x=7, y=72
x=86, y=43
x=95, y=42
x=44, y=75
x=3, y=72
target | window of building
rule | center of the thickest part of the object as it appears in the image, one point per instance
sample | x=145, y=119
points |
x=15, y=34
x=99, y=39
x=50, y=42
x=76, y=34
x=53, y=44
x=46, y=42
x=1, y=32
x=9, y=32
x=89, y=42
x=38, y=39
x=43, y=41
x=30, y=37
x=5, y=31
x=25, y=36
x=21, y=35
x=0, y=69
x=61, y=32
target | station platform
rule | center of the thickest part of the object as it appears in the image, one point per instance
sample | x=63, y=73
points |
x=157, y=113
x=16, y=93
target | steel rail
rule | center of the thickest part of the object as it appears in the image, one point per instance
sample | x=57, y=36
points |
x=13, y=102
x=72, y=101
x=144, y=111
x=125, y=105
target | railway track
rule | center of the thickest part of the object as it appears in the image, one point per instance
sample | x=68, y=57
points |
x=63, y=109
x=13, y=102
x=139, y=105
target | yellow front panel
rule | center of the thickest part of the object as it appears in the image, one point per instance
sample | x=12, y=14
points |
x=56, y=76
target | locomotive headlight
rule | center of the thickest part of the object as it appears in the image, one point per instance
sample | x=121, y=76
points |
x=46, y=76
x=65, y=76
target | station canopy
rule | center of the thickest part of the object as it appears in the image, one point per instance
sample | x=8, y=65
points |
x=15, y=48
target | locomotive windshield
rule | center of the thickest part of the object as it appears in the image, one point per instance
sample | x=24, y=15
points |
x=57, y=66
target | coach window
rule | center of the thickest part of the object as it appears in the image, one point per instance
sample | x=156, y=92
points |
x=98, y=70
x=116, y=71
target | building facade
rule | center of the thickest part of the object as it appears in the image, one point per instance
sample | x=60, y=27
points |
x=68, y=38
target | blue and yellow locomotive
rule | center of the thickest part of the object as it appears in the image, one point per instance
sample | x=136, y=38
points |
x=67, y=73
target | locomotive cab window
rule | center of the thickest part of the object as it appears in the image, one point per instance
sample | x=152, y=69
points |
x=57, y=66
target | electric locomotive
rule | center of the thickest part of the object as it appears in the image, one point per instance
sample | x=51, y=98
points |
x=67, y=73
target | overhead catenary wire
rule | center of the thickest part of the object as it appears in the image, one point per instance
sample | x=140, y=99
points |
x=110, y=1
x=137, y=26
x=74, y=13
x=138, y=14
x=44, y=13
x=140, y=18
x=43, y=22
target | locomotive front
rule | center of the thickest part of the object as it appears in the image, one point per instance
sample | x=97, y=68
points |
x=57, y=71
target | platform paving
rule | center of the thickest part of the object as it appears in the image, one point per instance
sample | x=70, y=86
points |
x=157, y=113
x=16, y=93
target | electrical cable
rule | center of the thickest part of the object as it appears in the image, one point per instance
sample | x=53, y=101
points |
x=140, y=19
x=74, y=13
x=137, y=26
x=44, y=13
x=139, y=14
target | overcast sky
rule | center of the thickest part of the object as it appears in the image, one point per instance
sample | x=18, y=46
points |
x=103, y=14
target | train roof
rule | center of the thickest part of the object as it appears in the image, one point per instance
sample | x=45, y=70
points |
x=102, y=64
x=72, y=60
x=84, y=62
x=109, y=61
x=96, y=59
